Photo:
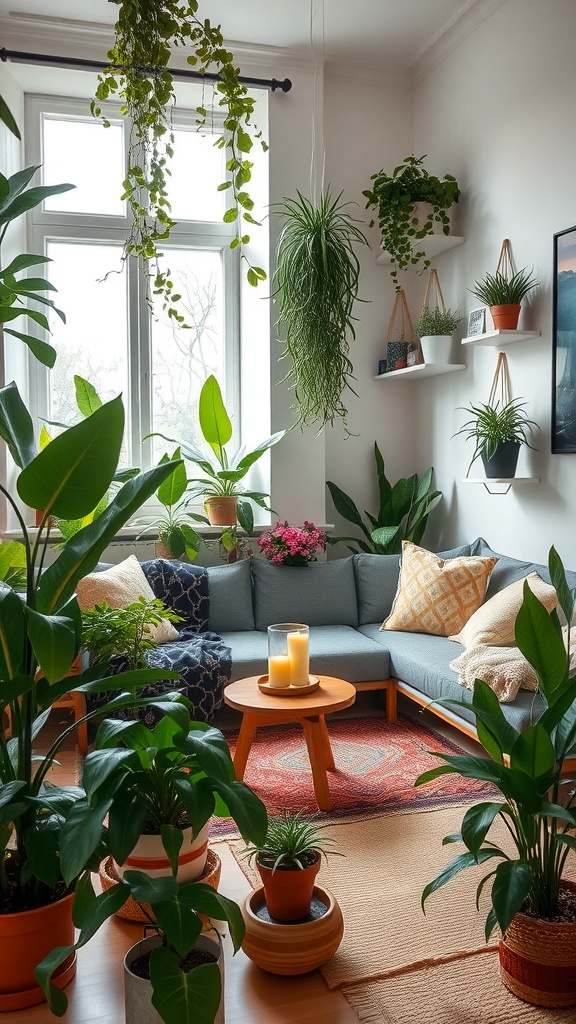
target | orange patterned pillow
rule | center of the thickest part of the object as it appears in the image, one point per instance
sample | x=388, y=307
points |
x=436, y=596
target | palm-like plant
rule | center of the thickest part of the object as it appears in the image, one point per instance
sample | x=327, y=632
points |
x=316, y=284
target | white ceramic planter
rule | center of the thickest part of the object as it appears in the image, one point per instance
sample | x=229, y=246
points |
x=149, y=856
x=436, y=348
x=138, y=991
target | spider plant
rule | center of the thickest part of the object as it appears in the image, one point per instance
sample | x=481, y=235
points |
x=290, y=840
x=490, y=427
x=316, y=284
x=498, y=290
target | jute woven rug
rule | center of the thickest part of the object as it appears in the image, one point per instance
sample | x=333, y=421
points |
x=378, y=883
x=461, y=992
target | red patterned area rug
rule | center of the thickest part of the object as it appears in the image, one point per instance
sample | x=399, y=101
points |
x=376, y=765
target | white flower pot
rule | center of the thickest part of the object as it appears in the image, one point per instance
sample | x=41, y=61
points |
x=150, y=856
x=138, y=991
x=436, y=348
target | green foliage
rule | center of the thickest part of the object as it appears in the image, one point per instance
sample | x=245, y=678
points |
x=498, y=290
x=490, y=427
x=287, y=840
x=437, y=322
x=146, y=32
x=108, y=631
x=393, y=196
x=15, y=291
x=7, y=118
x=316, y=284
x=403, y=513
x=536, y=806
x=175, y=528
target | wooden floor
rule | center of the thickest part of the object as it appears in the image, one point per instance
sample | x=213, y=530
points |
x=252, y=996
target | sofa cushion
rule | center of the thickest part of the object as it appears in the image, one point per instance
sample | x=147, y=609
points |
x=230, y=588
x=508, y=569
x=119, y=586
x=435, y=594
x=493, y=624
x=504, y=669
x=319, y=594
x=334, y=651
x=183, y=587
x=377, y=582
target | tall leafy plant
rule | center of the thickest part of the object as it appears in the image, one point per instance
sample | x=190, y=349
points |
x=403, y=513
x=316, y=286
x=145, y=33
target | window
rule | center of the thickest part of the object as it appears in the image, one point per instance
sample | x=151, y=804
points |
x=111, y=335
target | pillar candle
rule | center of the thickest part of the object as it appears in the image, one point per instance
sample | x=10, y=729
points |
x=299, y=659
x=279, y=670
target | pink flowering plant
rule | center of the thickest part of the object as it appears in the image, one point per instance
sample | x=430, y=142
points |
x=292, y=545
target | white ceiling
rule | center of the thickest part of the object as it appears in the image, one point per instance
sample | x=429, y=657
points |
x=381, y=33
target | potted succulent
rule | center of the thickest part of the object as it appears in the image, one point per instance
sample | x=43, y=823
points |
x=403, y=222
x=504, y=296
x=403, y=513
x=531, y=903
x=226, y=500
x=288, y=861
x=435, y=329
x=498, y=434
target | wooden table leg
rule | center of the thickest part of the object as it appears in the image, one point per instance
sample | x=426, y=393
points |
x=316, y=752
x=246, y=734
x=328, y=755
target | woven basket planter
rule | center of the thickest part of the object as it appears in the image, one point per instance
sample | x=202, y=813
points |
x=538, y=960
x=132, y=911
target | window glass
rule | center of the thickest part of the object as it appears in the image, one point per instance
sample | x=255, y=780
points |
x=89, y=156
x=93, y=341
x=183, y=358
x=198, y=167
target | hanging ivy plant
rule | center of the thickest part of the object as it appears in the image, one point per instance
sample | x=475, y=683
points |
x=145, y=33
x=316, y=282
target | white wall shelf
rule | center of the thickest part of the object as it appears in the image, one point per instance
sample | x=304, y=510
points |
x=431, y=245
x=421, y=370
x=506, y=482
x=495, y=339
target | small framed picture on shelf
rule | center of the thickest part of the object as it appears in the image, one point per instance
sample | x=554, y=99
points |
x=381, y=366
x=476, y=322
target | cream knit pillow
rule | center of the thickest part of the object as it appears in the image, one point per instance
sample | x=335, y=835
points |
x=120, y=586
x=493, y=623
x=504, y=669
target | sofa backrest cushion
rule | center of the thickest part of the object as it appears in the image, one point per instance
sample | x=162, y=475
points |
x=319, y=594
x=230, y=588
x=377, y=582
x=508, y=569
x=119, y=586
x=182, y=587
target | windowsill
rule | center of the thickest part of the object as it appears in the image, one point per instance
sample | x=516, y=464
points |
x=128, y=533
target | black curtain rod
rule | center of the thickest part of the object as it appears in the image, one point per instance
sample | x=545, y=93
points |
x=21, y=57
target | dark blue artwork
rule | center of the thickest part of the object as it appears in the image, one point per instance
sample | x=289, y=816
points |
x=564, y=342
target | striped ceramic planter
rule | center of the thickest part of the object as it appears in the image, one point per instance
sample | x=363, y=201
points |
x=150, y=857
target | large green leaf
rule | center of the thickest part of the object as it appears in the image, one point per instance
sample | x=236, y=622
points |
x=208, y=901
x=53, y=639
x=242, y=462
x=541, y=644
x=12, y=556
x=43, y=352
x=476, y=824
x=210, y=749
x=511, y=886
x=7, y=118
x=385, y=535
x=80, y=836
x=28, y=200
x=214, y=420
x=458, y=864
x=345, y=507
x=566, y=596
x=16, y=426
x=246, y=808
x=23, y=261
x=384, y=486
x=125, y=824
x=180, y=926
x=12, y=634
x=533, y=752
x=180, y=998
x=87, y=398
x=71, y=474
x=172, y=490
x=494, y=731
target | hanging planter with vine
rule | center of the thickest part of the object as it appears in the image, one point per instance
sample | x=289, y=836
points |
x=145, y=33
x=316, y=286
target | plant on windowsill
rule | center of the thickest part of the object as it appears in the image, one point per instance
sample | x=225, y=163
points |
x=403, y=513
x=394, y=197
x=177, y=538
x=498, y=434
x=531, y=904
x=504, y=296
x=225, y=499
x=317, y=271
x=145, y=35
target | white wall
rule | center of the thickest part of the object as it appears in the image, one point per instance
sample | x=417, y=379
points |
x=499, y=114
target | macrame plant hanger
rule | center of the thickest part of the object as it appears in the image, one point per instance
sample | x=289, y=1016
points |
x=506, y=266
x=434, y=290
x=400, y=331
x=501, y=395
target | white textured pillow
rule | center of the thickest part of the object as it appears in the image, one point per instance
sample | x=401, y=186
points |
x=504, y=669
x=493, y=623
x=120, y=586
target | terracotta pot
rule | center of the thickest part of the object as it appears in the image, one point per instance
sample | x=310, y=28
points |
x=292, y=948
x=538, y=960
x=25, y=939
x=288, y=893
x=138, y=991
x=150, y=856
x=161, y=550
x=505, y=317
x=221, y=511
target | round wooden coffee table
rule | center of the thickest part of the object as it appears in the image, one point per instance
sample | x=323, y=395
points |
x=309, y=711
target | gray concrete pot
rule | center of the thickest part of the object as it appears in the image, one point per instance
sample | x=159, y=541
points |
x=138, y=991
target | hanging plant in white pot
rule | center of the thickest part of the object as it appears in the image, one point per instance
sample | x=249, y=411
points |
x=435, y=329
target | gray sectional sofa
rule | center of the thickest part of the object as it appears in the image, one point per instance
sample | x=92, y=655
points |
x=344, y=602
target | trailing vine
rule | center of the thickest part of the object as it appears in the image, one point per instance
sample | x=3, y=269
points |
x=145, y=32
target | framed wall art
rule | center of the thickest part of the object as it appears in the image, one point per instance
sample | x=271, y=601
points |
x=476, y=322
x=564, y=343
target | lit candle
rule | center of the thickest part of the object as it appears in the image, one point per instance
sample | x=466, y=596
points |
x=279, y=670
x=299, y=658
